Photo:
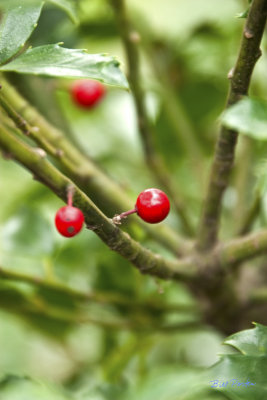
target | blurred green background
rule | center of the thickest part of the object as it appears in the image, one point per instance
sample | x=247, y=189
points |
x=195, y=43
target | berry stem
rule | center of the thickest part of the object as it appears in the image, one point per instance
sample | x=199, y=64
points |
x=126, y=213
x=117, y=218
x=70, y=192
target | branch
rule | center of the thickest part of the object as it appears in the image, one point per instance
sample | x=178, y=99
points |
x=241, y=181
x=117, y=324
x=235, y=251
x=117, y=240
x=225, y=147
x=27, y=129
x=97, y=297
x=252, y=214
x=107, y=194
x=154, y=161
x=138, y=323
x=259, y=295
x=174, y=108
x=188, y=269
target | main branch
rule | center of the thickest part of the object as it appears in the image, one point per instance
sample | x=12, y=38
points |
x=117, y=240
x=192, y=268
x=106, y=193
x=225, y=147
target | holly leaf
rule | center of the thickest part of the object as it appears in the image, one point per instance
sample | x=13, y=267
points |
x=5, y=4
x=18, y=21
x=250, y=341
x=69, y=6
x=248, y=116
x=57, y=61
x=243, y=376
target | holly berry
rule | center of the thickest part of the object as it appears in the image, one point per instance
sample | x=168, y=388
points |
x=152, y=205
x=69, y=220
x=87, y=93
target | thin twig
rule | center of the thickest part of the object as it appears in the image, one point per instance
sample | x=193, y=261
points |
x=251, y=215
x=225, y=147
x=235, y=251
x=92, y=296
x=153, y=159
x=241, y=182
x=178, y=118
x=27, y=129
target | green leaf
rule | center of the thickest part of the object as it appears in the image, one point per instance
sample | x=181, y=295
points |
x=246, y=377
x=244, y=14
x=18, y=388
x=16, y=26
x=251, y=341
x=169, y=383
x=248, y=116
x=68, y=6
x=243, y=376
x=53, y=60
x=8, y=4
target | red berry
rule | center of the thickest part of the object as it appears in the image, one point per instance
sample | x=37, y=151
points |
x=87, y=93
x=152, y=205
x=69, y=221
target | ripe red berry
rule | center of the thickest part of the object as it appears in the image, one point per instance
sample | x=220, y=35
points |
x=87, y=93
x=69, y=221
x=152, y=205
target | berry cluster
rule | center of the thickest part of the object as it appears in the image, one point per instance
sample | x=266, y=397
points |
x=152, y=206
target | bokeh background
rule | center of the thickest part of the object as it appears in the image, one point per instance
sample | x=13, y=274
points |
x=194, y=44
